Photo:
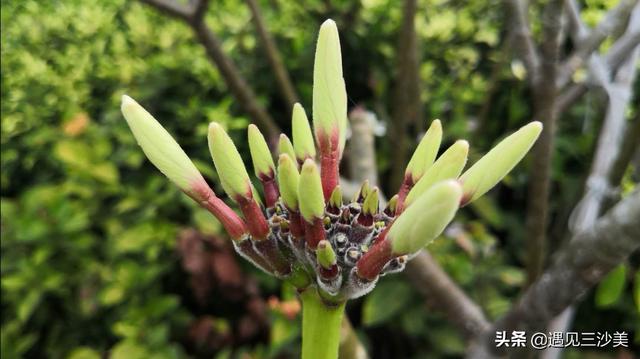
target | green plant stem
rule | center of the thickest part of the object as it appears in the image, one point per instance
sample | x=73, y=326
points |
x=299, y=278
x=320, y=326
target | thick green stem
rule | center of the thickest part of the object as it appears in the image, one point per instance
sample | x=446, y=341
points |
x=320, y=326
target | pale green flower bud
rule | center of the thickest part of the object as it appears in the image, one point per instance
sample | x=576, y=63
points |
x=370, y=204
x=288, y=179
x=285, y=147
x=329, y=91
x=159, y=147
x=325, y=254
x=493, y=166
x=448, y=166
x=262, y=161
x=425, y=220
x=363, y=191
x=302, y=136
x=310, y=190
x=426, y=152
x=335, y=200
x=233, y=175
x=391, y=207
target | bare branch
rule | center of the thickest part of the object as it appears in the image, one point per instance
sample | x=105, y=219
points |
x=522, y=39
x=273, y=55
x=611, y=134
x=171, y=8
x=199, y=9
x=581, y=264
x=361, y=147
x=614, y=19
x=237, y=84
x=544, y=103
x=599, y=73
x=619, y=51
x=444, y=294
x=407, y=107
x=550, y=45
x=600, y=190
x=623, y=47
x=578, y=29
x=570, y=95
x=361, y=154
x=630, y=145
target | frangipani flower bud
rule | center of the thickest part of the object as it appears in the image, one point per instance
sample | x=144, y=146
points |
x=263, y=165
x=363, y=191
x=285, y=147
x=425, y=153
x=160, y=148
x=165, y=153
x=235, y=179
x=329, y=104
x=228, y=163
x=369, y=208
x=337, y=250
x=335, y=201
x=312, y=205
x=288, y=179
x=392, y=206
x=262, y=161
x=448, y=166
x=493, y=166
x=328, y=270
x=325, y=254
x=370, y=204
x=425, y=220
x=421, y=160
x=302, y=136
x=310, y=189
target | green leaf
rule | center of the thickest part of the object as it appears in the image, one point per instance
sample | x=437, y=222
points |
x=73, y=153
x=636, y=290
x=611, y=288
x=488, y=210
x=386, y=302
x=84, y=353
x=450, y=343
x=106, y=172
x=28, y=304
x=112, y=294
x=129, y=349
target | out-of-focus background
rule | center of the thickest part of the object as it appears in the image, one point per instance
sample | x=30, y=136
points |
x=103, y=257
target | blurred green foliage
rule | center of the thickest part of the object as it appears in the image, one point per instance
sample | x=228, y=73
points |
x=89, y=227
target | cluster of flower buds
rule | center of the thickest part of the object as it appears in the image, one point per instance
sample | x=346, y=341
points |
x=305, y=231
